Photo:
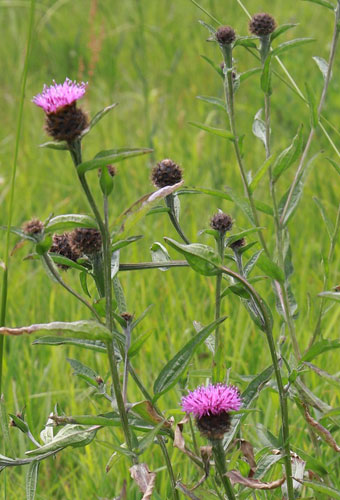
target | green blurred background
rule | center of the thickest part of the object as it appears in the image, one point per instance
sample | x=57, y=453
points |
x=146, y=55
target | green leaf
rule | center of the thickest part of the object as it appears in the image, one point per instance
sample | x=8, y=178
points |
x=248, y=396
x=124, y=243
x=159, y=254
x=19, y=232
x=291, y=44
x=321, y=347
x=138, y=344
x=63, y=261
x=327, y=221
x=106, y=181
x=5, y=439
x=321, y=487
x=323, y=3
x=202, y=258
x=136, y=212
x=178, y=364
x=19, y=423
x=210, y=28
x=266, y=76
x=240, y=290
x=85, y=372
x=243, y=204
x=70, y=221
x=216, y=101
x=59, y=145
x=119, y=294
x=83, y=283
x=216, y=67
x=334, y=164
x=212, y=130
x=242, y=234
x=330, y=295
x=109, y=156
x=70, y=435
x=261, y=172
x=32, y=480
x=259, y=127
x=270, y=268
x=288, y=157
x=313, y=106
x=251, y=263
x=322, y=65
x=97, y=117
x=135, y=323
x=148, y=439
x=91, y=330
x=147, y=411
x=246, y=74
x=281, y=29
x=93, y=345
x=246, y=41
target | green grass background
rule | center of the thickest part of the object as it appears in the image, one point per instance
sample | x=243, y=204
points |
x=146, y=56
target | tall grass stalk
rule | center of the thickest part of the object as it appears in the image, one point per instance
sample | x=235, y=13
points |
x=5, y=280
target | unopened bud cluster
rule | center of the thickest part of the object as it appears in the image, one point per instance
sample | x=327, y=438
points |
x=76, y=243
x=262, y=24
x=166, y=173
x=225, y=35
x=221, y=222
x=33, y=226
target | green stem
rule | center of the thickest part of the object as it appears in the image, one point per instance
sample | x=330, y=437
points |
x=49, y=264
x=219, y=456
x=4, y=290
x=281, y=391
x=75, y=150
x=140, y=266
x=229, y=97
x=169, y=467
x=169, y=200
x=217, y=370
x=320, y=107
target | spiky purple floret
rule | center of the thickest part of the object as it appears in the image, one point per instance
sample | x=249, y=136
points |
x=211, y=400
x=59, y=95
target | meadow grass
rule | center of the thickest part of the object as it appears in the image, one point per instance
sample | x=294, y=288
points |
x=146, y=56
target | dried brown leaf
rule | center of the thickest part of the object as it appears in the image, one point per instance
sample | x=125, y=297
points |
x=180, y=443
x=248, y=452
x=144, y=478
x=320, y=430
x=181, y=487
x=255, y=484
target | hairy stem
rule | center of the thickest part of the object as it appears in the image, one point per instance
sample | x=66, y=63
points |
x=49, y=264
x=219, y=456
x=175, y=493
x=217, y=370
x=170, y=203
x=282, y=393
x=229, y=97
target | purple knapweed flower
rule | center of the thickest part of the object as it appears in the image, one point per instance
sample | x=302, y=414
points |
x=211, y=406
x=211, y=400
x=58, y=95
x=64, y=121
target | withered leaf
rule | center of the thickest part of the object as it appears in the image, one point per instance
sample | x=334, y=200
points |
x=144, y=478
x=255, y=484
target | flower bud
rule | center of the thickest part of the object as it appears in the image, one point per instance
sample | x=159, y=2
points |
x=225, y=35
x=238, y=244
x=61, y=246
x=221, y=222
x=34, y=226
x=166, y=173
x=262, y=24
x=86, y=241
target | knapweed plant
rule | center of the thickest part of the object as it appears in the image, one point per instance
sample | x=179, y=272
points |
x=213, y=428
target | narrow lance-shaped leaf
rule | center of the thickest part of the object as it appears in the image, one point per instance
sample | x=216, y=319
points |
x=70, y=221
x=70, y=435
x=313, y=106
x=109, y=156
x=290, y=155
x=93, y=345
x=323, y=3
x=321, y=347
x=201, y=258
x=178, y=364
x=79, y=329
x=97, y=117
x=215, y=101
x=322, y=65
x=32, y=480
x=213, y=130
x=281, y=29
x=291, y=44
x=259, y=127
x=321, y=487
x=328, y=223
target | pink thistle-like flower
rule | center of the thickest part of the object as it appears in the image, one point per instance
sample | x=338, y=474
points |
x=58, y=95
x=211, y=400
